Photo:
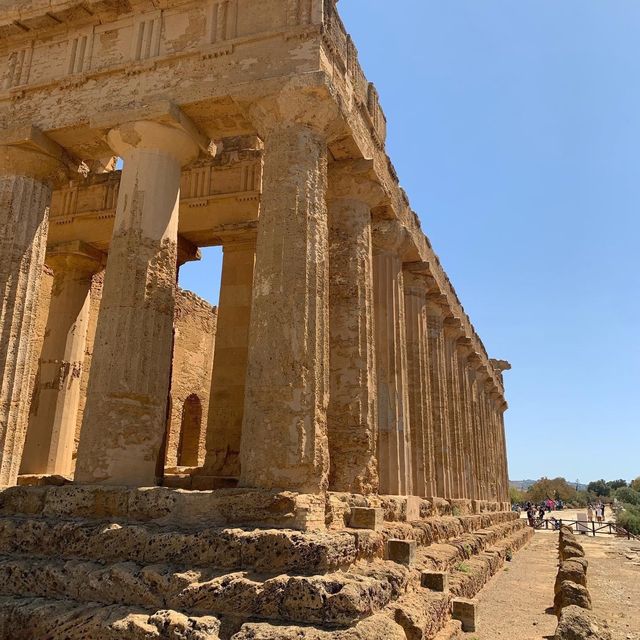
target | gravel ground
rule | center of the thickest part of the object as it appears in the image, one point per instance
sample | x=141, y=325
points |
x=515, y=605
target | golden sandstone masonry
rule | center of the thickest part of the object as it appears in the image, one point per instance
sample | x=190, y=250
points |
x=288, y=465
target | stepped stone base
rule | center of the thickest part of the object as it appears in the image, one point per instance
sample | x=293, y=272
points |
x=85, y=563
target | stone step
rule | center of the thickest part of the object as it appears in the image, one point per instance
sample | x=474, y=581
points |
x=339, y=598
x=31, y=618
x=273, y=551
x=166, y=506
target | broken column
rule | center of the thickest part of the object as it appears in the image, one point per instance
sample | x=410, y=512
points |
x=29, y=165
x=394, y=456
x=54, y=408
x=415, y=297
x=351, y=417
x=125, y=414
x=226, y=403
x=284, y=433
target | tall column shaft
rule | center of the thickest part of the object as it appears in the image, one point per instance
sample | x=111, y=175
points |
x=439, y=400
x=352, y=413
x=420, y=411
x=24, y=212
x=394, y=436
x=284, y=435
x=454, y=414
x=469, y=461
x=503, y=452
x=125, y=414
x=54, y=408
x=226, y=404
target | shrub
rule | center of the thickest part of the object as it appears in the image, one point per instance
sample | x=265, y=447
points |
x=628, y=496
x=635, y=484
x=630, y=519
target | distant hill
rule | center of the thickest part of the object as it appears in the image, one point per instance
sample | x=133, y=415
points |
x=523, y=485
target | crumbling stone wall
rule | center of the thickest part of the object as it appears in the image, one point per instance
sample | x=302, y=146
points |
x=195, y=325
x=195, y=329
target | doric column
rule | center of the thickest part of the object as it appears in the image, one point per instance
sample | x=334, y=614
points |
x=226, y=404
x=493, y=460
x=439, y=399
x=352, y=412
x=466, y=398
x=284, y=433
x=394, y=437
x=502, y=407
x=125, y=414
x=420, y=411
x=452, y=331
x=483, y=433
x=477, y=427
x=29, y=165
x=54, y=407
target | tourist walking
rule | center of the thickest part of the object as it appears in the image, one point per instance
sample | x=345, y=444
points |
x=590, y=513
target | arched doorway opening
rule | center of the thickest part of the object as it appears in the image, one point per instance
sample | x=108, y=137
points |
x=190, y=429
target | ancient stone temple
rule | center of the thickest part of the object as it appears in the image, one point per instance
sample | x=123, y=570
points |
x=335, y=466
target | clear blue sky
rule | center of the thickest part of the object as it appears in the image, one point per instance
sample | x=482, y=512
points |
x=515, y=130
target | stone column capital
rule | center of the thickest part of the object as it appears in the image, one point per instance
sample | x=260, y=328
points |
x=76, y=256
x=390, y=236
x=29, y=152
x=147, y=135
x=453, y=327
x=355, y=180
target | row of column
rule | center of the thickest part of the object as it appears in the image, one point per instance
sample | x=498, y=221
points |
x=336, y=366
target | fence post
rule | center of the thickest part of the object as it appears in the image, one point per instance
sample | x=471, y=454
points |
x=593, y=527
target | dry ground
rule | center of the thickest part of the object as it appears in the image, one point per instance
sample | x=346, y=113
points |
x=515, y=604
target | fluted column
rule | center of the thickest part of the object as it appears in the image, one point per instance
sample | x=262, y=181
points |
x=493, y=461
x=125, y=414
x=439, y=398
x=284, y=434
x=452, y=332
x=420, y=411
x=503, y=450
x=483, y=434
x=476, y=417
x=466, y=399
x=394, y=437
x=352, y=412
x=26, y=177
x=54, y=407
x=226, y=404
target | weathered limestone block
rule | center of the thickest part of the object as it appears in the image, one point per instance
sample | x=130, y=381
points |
x=394, y=430
x=351, y=417
x=366, y=518
x=421, y=614
x=402, y=551
x=50, y=441
x=572, y=571
x=466, y=611
x=578, y=624
x=26, y=176
x=125, y=413
x=571, y=593
x=226, y=404
x=284, y=433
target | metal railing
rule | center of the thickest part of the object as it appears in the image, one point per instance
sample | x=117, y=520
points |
x=585, y=527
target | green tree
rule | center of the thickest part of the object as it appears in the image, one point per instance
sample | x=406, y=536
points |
x=635, y=484
x=628, y=496
x=616, y=484
x=553, y=488
x=515, y=495
x=599, y=487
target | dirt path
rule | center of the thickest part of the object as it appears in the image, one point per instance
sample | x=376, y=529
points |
x=516, y=603
x=513, y=605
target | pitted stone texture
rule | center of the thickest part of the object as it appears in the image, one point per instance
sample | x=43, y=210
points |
x=377, y=627
x=284, y=434
x=24, y=219
x=29, y=618
x=578, y=624
x=165, y=506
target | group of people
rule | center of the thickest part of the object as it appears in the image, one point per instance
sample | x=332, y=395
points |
x=599, y=510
